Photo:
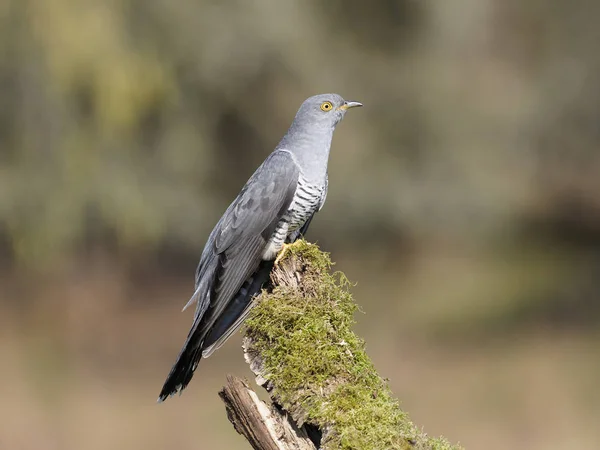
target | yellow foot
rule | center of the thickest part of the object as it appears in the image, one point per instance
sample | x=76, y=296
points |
x=284, y=249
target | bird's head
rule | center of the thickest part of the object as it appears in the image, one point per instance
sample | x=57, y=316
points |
x=324, y=109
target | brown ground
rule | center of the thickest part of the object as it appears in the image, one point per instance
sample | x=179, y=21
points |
x=82, y=368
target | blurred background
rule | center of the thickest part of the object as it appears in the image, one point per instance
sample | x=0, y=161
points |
x=464, y=201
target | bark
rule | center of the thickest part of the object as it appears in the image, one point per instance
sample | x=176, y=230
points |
x=265, y=427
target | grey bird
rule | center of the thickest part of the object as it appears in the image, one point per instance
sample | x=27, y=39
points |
x=273, y=209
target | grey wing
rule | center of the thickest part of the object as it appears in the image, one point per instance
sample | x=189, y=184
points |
x=232, y=254
x=239, y=239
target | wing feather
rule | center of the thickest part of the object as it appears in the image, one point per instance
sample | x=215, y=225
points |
x=230, y=257
x=246, y=226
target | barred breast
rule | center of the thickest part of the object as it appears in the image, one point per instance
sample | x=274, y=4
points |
x=307, y=200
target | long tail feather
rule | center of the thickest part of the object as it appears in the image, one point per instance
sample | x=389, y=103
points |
x=183, y=370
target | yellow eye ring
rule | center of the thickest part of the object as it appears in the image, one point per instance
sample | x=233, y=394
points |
x=326, y=106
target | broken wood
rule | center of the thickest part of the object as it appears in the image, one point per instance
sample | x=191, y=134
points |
x=265, y=427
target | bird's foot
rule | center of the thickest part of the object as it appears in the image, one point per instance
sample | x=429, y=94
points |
x=283, y=252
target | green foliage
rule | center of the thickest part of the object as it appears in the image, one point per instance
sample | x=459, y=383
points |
x=314, y=359
x=130, y=125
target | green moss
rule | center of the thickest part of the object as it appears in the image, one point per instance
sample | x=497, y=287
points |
x=315, y=361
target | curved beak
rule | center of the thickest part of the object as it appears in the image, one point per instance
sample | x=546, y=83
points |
x=348, y=105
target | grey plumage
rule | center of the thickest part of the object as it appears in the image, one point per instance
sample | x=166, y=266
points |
x=275, y=206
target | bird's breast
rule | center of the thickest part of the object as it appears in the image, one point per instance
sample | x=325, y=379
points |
x=305, y=203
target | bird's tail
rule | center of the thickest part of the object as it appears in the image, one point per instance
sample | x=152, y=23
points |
x=191, y=352
x=183, y=369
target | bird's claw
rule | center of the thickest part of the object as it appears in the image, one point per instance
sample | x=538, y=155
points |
x=284, y=249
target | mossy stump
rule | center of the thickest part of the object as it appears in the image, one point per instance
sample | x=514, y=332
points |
x=299, y=342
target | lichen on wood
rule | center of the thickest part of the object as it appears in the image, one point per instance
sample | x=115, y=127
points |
x=299, y=342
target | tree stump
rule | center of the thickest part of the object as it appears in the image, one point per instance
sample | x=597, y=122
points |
x=324, y=390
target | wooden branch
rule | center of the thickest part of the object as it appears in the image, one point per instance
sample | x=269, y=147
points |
x=265, y=428
x=324, y=390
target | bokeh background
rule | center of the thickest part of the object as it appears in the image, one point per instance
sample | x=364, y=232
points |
x=464, y=201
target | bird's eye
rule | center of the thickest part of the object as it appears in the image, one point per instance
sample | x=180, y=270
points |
x=326, y=106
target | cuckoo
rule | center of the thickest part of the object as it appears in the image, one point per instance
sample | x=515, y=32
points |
x=272, y=210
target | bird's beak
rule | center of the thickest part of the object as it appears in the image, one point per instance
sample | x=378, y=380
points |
x=348, y=105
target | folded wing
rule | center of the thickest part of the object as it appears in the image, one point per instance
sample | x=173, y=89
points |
x=232, y=254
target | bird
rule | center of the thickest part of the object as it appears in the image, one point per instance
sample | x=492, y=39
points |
x=273, y=209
